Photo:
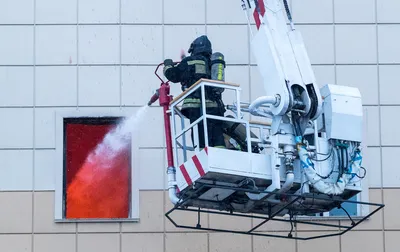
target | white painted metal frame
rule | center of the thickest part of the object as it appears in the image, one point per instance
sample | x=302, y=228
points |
x=178, y=133
x=59, y=173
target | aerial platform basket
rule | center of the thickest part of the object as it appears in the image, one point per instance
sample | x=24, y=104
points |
x=247, y=182
x=304, y=160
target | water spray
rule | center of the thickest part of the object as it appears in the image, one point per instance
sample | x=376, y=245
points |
x=99, y=189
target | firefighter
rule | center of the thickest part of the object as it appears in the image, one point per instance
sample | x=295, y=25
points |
x=189, y=71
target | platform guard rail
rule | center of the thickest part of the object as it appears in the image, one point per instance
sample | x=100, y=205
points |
x=178, y=132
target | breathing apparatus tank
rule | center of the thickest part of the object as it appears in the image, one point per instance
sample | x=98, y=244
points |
x=217, y=66
x=218, y=74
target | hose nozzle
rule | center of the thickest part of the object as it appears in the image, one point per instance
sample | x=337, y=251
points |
x=154, y=98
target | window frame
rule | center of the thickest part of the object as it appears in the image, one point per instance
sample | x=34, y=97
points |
x=134, y=206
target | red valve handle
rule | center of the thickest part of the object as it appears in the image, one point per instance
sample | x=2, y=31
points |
x=155, y=72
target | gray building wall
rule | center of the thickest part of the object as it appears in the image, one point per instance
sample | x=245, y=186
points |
x=99, y=56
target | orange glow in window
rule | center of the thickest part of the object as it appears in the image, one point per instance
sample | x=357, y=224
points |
x=98, y=188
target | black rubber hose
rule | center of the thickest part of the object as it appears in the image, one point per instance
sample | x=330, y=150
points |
x=342, y=163
x=287, y=10
x=345, y=160
x=339, y=164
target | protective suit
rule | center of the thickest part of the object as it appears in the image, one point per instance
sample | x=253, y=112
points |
x=188, y=72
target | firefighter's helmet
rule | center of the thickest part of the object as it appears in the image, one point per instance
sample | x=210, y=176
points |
x=201, y=45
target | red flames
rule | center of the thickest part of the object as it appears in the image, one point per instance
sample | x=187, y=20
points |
x=100, y=187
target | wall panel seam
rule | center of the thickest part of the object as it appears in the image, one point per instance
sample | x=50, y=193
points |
x=33, y=130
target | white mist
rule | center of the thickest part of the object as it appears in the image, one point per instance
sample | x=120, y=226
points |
x=118, y=139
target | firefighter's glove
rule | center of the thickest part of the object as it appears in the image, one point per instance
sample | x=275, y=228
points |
x=168, y=62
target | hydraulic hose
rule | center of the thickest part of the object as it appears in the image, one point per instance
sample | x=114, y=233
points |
x=318, y=183
x=260, y=101
x=289, y=15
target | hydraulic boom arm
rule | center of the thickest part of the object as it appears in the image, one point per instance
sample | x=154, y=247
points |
x=283, y=63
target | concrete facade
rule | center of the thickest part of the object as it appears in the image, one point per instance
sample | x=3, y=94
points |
x=99, y=56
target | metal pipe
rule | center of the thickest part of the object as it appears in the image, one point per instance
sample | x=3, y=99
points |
x=165, y=99
x=288, y=183
x=284, y=188
x=168, y=137
x=264, y=112
x=260, y=101
x=171, y=171
x=288, y=152
x=154, y=98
